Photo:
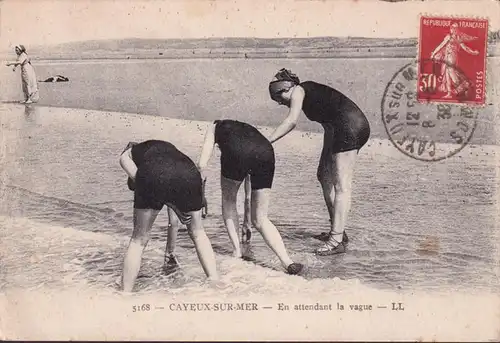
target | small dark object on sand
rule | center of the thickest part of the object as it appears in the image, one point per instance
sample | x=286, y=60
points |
x=57, y=78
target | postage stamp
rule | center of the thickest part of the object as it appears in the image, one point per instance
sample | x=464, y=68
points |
x=424, y=131
x=452, y=54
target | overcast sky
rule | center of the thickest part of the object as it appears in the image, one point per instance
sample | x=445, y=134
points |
x=32, y=22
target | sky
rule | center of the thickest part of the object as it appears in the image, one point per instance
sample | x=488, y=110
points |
x=42, y=22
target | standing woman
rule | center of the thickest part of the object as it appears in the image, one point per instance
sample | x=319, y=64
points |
x=162, y=175
x=346, y=131
x=245, y=151
x=28, y=76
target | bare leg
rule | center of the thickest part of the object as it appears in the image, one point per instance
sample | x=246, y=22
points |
x=335, y=175
x=173, y=228
x=247, y=218
x=170, y=263
x=271, y=235
x=143, y=221
x=343, y=170
x=230, y=212
x=202, y=244
x=325, y=172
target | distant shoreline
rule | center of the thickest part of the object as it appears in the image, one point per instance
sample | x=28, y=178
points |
x=182, y=54
x=233, y=48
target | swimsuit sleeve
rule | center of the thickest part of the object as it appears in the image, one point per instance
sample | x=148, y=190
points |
x=139, y=151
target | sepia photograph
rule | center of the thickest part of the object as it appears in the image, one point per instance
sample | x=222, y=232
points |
x=250, y=170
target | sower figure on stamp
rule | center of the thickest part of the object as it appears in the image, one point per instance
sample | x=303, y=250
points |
x=246, y=155
x=346, y=130
x=451, y=80
x=162, y=175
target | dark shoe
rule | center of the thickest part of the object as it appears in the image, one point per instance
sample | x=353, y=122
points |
x=345, y=239
x=294, y=268
x=331, y=247
x=171, y=265
x=325, y=236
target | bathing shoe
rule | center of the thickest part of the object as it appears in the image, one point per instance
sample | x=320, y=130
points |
x=294, y=268
x=330, y=248
x=170, y=265
x=325, y=236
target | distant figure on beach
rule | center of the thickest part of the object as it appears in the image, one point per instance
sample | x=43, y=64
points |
x=447, y=51
x=346, y=130
x=28, y=76
x=161, y=175
x=56, y=78
x=245, y=151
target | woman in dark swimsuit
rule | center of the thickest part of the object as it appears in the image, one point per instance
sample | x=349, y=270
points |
x=246, y=152
x=162, y=175
x=346, y=131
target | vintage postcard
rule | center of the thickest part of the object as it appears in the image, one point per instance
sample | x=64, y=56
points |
x=250, y=170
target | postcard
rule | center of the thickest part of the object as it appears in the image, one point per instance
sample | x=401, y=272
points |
x=250, y=170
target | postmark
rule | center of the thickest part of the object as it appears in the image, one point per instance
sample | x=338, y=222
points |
x=424, y=131
x=452, y=52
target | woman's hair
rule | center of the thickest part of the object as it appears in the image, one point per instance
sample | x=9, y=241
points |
x=287, y=75
x=284, y=80
x=21, y=48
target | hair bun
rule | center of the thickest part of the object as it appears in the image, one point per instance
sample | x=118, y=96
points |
x=286, y=75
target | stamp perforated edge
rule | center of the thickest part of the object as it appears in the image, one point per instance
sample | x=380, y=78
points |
x=486, y=79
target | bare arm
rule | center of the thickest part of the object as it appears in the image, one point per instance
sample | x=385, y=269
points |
x=291, y=120
x=469, y=50
x=208, y=147
x=128, y=164
x=440, y=46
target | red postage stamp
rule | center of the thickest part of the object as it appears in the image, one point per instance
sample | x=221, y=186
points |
x=452, y=60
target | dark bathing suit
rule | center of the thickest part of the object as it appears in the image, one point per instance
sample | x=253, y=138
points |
x=245, y=151
x=337, y=112
x=165, y=176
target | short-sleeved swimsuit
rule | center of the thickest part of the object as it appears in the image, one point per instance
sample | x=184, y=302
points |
x=166, y=176
x=245, y=151
x=337, y=113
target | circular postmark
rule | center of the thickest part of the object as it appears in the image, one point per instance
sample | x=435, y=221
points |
x=425, y=130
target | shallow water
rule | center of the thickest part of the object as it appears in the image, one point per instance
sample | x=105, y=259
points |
x=413, y=225
x=209, y=89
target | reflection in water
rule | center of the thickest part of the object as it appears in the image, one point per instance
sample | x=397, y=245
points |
x=30, y=112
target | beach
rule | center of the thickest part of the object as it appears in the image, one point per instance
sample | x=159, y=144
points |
x=66, y=215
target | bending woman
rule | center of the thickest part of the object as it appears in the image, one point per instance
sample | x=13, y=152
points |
x=162, y=175
x=346, y=131
x=28, y=76
x=245, y=151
